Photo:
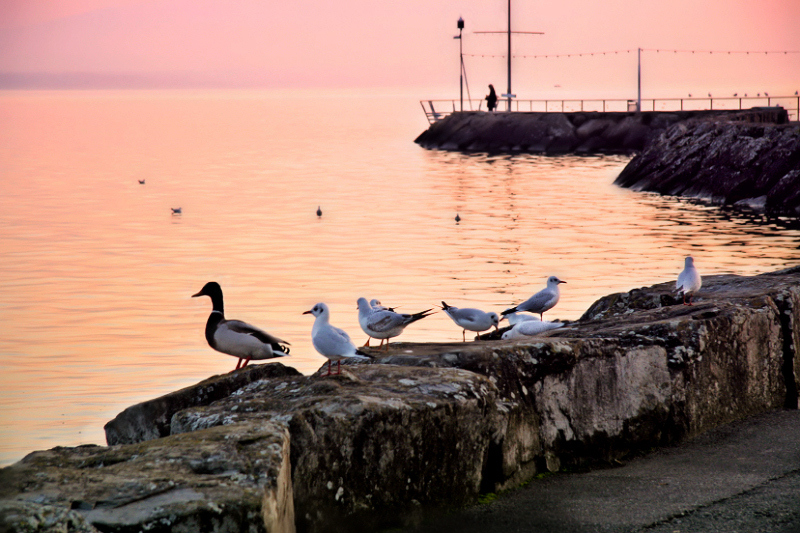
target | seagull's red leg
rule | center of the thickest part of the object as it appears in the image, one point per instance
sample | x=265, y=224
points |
x=366, y=345
x=246, y=361
x=338, y=366
x=239, y=362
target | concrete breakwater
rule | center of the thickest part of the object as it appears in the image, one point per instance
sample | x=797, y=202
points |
x=755, y=166
x=425, y=425
x=559, y=133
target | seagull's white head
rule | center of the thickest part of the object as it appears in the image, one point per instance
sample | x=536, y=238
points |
x=320, y=309
x=553, y=281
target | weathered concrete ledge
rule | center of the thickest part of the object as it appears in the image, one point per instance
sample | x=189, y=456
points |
x=427, y=425
x=756, y=166
x=560, y=133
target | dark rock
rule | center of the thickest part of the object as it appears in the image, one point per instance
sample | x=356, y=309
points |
x=725, y=163
x=556, y=133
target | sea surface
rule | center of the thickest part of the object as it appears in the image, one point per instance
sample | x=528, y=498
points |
x=97, y=274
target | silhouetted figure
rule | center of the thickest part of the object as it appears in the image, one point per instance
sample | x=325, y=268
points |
x=319, y=211
x=491, y=100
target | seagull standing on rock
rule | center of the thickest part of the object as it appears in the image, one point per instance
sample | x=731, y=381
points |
x=330, y=341
x=471, y=319
x=542, y=301
x=237, y=338
x=689, y=281
x=384, y=324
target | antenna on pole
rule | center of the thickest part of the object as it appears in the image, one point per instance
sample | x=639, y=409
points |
x=509, y=95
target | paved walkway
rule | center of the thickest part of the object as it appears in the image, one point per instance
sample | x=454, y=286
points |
x=744, y=477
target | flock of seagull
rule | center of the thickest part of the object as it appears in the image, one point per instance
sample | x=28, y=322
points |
x=247, y=342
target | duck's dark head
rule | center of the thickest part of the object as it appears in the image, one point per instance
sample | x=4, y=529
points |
x=213, y=291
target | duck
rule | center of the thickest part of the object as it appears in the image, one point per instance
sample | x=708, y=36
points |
x=384, y=324
x=689, y=280
x=237, y=338
x=542, y=301
x=331, y=342
x=176, y=210
x=471, y=319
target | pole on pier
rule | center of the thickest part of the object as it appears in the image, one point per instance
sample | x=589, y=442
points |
x=460, y=60
x=509, y=93
x=639, y=99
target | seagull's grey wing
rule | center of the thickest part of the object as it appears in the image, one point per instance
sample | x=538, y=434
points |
x=471, y=316
x=332, y=341
x=383, y=321
x=537, y=302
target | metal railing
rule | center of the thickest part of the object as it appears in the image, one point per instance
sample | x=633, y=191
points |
x=438, y=109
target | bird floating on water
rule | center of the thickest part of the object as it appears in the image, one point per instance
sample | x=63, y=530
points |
x=237, y=338
x=319, y=211
x=384, y=324
x=689, y=281
x=471, y=319
x=176, y=210
x=458, y=218
x=542, y=301
x=330, y=341
x=141, y=182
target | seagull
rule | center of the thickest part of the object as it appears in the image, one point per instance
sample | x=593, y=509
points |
x=376, y=304
x=330, y=341
x=471, y=319
x=319, y=211
x=458, y=218
x=529, y=328
x=176, y=210
x=141, y=182
x=382, y=323
x=542, y=301
x=237, y=338
x=516, y=318
x=689, y=281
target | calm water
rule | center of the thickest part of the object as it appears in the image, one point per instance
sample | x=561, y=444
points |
x=96, y=274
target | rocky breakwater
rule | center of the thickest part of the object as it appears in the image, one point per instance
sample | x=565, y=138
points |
x=754, y=166
x=426, y=426
x=560, y=133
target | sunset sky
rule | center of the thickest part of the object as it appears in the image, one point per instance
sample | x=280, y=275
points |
x=409, y=44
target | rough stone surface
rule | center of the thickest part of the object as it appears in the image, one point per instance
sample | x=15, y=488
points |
x=559, y=133
x=226, y=479
x=151, y=419
x=755, y=166
x=434, y=425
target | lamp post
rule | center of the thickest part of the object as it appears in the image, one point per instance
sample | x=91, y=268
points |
x=460, y=60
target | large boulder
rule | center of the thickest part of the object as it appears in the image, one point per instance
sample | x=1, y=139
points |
x=756, y=166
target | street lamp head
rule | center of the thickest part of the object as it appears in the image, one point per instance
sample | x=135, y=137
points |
x=460, y=23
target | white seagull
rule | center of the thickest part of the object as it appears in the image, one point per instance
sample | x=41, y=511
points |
x=237, y=338
x=542, y=301
x=382, y=323
x=516, y=317
x=689, y=281
x=330, y=341
x=471, y=319
x=529, y=328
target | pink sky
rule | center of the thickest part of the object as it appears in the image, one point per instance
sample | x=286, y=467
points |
x=409, y=44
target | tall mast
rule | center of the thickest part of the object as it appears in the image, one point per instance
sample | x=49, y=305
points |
x=509, y=57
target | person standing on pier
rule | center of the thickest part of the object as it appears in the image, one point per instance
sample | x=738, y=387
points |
x=491, y=100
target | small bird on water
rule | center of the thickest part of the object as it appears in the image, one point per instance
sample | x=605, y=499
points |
x=176, y=210
x=458, y=218
x=237, y=338
x=141, y=182
x=689, y=281
x=319, y=211
x=542, y=301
